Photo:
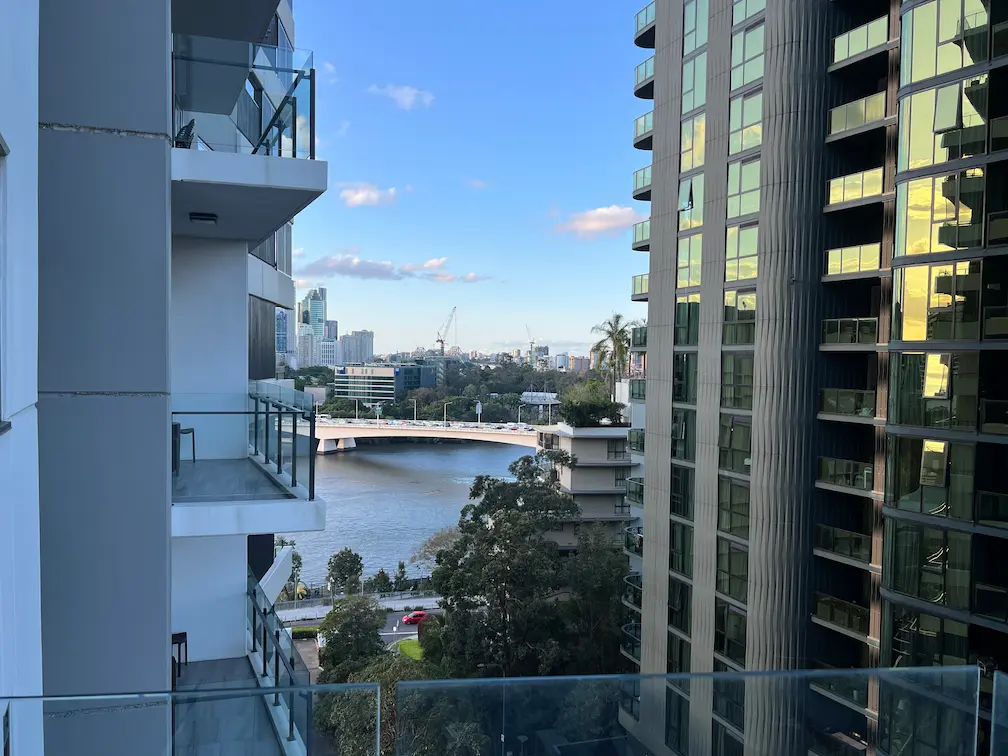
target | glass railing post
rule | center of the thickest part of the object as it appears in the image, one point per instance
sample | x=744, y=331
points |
x=265, y=646
x=266, y=435
x=279, y=446
x=294, y=440
x=311, y=456
x=276, y=669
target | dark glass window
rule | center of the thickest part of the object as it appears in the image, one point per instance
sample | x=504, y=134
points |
x=935, y=390
x=733, y=507
x=684, y=434
x=928, y=563
x=726, y=744
x=678, y=660
x=737, y=380
x=687, y=320
x=691, y=208
x=734, y=441
x=681, y=548
x=680, y=597
x=739, y=317
x=676, y=722
x=729, y=631
x=729, y=695
x=694, y=25
x=694, y=82
x=937, y=302
x=732, y=570
x=937, y=481
x=684, y=377
x=682, y=492
x=616, y=448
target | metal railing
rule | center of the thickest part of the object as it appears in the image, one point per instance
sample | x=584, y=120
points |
x=861, y=39
x=857, y=113
x=851, y=402
x=850, y=688
x=850, y=331
x=642, y=179
x=644, y=71
x=645, y=17
x=855, y=186
x=847, y=473
x=857, y=259
x=638, y=389
x=633, y=590
x=635, y=440
x=643, y=124
x=633, y=540
x=630, y=640
x=843, y=613
x=642, y=232
x=635, y=490
x=639, y=285
x=842, y=542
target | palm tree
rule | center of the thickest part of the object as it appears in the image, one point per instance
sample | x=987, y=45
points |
x=613, y=348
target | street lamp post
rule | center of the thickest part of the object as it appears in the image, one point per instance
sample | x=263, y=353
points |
x=356, y=407
x=414, y=410
x=519, y=411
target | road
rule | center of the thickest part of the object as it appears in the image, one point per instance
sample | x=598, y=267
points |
x=389, y=633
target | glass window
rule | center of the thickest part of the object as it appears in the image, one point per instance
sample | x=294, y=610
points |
x=938, y=481
x=694, y=25
x=687, y=320
x=747, y=56
x=743, y=9
x=684, y=434
x=729, y=631
x=729, y=695
x=737, y=380
x=733, y=507
x=681, y=503
x=944, y=124
x=691, y=201
x=943, y=36
x=688, y=261
x=732, y=570
x=684, y=377
x=739, y=317
x=743, y=188
x=725, y=743
x=935, y=390
x=940, y=213
x=741, y=252
x=734, y=442
x=679, y=605
x=677, y=718
x=937, y=302
x=694, y=82
x=692, y=142
x=745, y=122
x=678, y=660
x=616, y=448
x=928, y=563
x=922, y=640
x=681, y=549
x=621, y=475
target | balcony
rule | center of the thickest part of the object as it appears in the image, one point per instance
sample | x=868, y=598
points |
x=639, y=288
x=858, y=114
x=630, y=640
x=992, y=509
x=236, y=108
x=862, y=41
x=843, y=614
x=633, y=541
x=641, y=236
x=644, y=79
x=843, y=543
x=644, y=31
x=635, y=491
x=838, y=743
x=855, y=187
x=643, y=131
x=852, y=688
x=642, y=184
x=847, y=475
x=635, y=440
x=850, y=261
x=633, y=591
x=847, y=403
x=850, y=332
x=638, y=339
x=638, y=389
x=229, y=450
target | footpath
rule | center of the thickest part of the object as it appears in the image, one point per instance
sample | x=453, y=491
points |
x=317, y=611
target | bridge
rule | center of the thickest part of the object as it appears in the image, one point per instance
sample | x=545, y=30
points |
x=340, y=435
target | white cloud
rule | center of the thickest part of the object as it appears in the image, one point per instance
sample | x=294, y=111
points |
x=601, y=221
x=356, y=195
x=442, y=277
x=330, y=72
x=473, y=278
x=298, y=252
x=475, y=183
x=432, y=264
x=349, y=264
x=406, y=97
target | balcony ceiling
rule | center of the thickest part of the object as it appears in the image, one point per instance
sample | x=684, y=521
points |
x=245, y=20
x=210, y=74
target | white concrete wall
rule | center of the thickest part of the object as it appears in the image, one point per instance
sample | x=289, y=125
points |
x=208, y=595
x=209, y=344
x=590, y=478
x=20, y=605
x=266, y=282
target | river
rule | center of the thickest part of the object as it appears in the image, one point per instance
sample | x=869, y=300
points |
x=384, y=501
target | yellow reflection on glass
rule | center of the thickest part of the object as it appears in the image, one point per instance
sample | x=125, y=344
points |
x=918, y=215
x=936, y=375
x=914, y=303
x=925, y=21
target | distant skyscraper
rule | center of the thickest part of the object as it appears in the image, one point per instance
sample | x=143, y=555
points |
x=307, y=346
x=330, y=352
x=358, y=346
x=282, y=318
x=332, y=329
x=313, y=312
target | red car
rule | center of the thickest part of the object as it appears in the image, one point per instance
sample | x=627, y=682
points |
x=414, y=618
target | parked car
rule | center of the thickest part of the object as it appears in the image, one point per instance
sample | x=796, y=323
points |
x=414, y=618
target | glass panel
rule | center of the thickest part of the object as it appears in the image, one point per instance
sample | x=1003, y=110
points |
x=861, y=39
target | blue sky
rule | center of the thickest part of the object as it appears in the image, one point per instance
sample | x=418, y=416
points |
x=482, y=138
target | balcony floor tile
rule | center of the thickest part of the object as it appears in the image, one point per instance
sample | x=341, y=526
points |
x=223, y=480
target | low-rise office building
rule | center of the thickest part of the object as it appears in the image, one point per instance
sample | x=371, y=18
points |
x=380, y=383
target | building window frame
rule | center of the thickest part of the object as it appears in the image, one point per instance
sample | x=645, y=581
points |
x=744, y=133
x=739, y=326
x=684, y=377
x=737, y=379
x=680, y=605
x=687, y=319
x=677, y=726
x=744, y=187
x=692, y=142
x=732, y=570
x=733, y=507
x=741, y=252
x=744, y=9
x=689, y=261
x=695, y=24
x=682, y=485
x=691, y=202
x=735, y=444
x=694, y=82
x=747, y=48
x=728, y=641
x=681, y=549
x=684, y=434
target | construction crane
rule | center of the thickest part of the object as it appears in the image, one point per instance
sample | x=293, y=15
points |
x=532, y=360
x=443, y=332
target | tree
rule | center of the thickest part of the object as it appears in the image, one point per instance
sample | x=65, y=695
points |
x=613, y=347
x=381, y=582
x=589, y=405
x=351, y=632
x=345, y=570
x=400, y=582
x=296, y=562
x=426, y=555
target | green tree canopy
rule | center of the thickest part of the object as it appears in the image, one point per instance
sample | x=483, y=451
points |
x=345, y=570
x=351, y=632
x=588, y=405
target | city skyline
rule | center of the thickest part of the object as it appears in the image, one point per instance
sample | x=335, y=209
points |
x=408, y=213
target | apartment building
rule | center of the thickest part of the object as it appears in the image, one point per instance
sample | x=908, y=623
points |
x=151, y=161
x=825, y=405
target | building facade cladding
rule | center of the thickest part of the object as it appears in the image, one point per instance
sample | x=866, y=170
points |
x=742, y=96
x=371, y=384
